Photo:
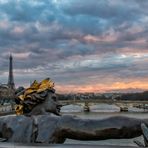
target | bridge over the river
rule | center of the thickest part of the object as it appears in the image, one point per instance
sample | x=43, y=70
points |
x=119, y=103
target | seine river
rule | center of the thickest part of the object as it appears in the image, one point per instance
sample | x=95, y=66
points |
x=100, y=112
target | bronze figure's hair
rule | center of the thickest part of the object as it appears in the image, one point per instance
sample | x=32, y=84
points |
x=36, y=94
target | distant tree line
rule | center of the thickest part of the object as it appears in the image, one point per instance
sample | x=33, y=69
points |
x=77, y=97
x=128, y=96
x=135, y=96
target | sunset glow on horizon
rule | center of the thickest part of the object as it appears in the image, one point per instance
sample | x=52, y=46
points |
x=100, y=88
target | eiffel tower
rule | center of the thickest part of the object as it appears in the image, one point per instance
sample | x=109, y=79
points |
x=11, y=84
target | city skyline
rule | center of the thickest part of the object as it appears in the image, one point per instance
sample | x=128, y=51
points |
x=83, y=46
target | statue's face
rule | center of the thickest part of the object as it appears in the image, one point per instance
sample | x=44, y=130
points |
x=52, y=104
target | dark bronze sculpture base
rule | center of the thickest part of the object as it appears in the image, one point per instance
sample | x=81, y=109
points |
x=55, y=129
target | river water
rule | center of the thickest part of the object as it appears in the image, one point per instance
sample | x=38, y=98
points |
x=100, y=112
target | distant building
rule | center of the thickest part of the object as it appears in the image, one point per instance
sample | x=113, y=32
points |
x=11, y=84
x=7, y=90
x=3, y=90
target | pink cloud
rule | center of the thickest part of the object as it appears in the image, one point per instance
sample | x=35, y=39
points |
x=18, y=30
x=21, y=56
x=4, y=24
x=109, y=36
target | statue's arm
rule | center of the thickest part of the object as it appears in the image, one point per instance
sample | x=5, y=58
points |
x=110, y=128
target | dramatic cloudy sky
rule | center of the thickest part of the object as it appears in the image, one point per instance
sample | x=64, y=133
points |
x=82, y=45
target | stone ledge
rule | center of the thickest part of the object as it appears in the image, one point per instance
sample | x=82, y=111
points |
x=19, y=145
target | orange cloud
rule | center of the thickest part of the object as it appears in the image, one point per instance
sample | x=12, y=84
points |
x=136, y=84
x=101, y=87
